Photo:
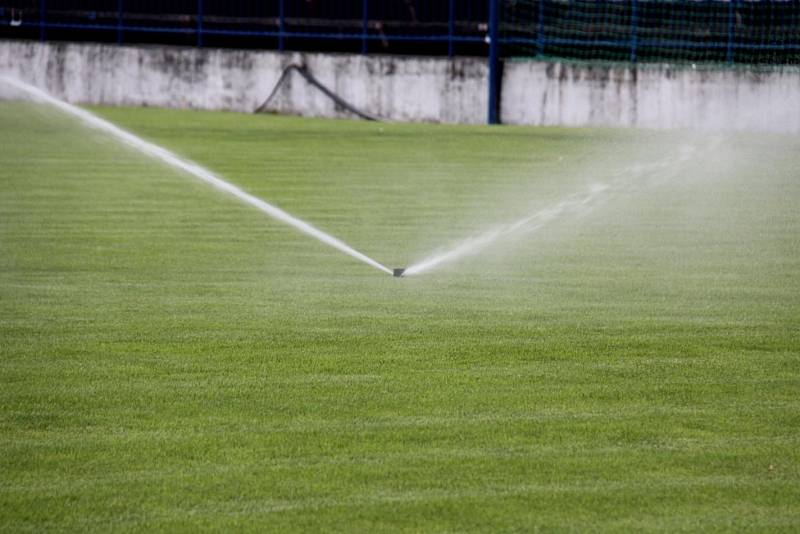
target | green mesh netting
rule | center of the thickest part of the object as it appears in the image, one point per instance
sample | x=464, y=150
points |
x=730, y=31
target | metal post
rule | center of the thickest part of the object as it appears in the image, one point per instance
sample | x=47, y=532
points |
x=540, y=31
x=200, y=23
x=731, y=30
x=634, y=27
x=451, y=26
x=364, y=25
x=42, y=15
x=281, y=24
x=119, y=22
x=494, y=67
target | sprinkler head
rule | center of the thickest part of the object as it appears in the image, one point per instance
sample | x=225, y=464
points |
x=398, y=271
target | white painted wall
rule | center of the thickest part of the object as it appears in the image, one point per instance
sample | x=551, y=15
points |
x=412, y=88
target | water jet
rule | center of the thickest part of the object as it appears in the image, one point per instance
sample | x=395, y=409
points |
x=202, y=173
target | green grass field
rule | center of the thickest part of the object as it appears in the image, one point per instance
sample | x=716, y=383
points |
x=174, y=360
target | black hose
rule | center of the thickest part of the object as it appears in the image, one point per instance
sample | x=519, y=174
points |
x=303, y=71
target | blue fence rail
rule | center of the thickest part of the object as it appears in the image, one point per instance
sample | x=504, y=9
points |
x=622, y=30
x=721, y=31
x=366, y=26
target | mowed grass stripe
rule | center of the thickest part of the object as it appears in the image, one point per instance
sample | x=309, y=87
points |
x=172, y=360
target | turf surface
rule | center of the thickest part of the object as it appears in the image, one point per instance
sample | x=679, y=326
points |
x=173, y=360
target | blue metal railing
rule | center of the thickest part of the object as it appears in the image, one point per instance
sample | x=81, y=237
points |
x=200, y=23
x=119, y=23
x=627, y=30
x=204, y=31
x=493, y=113
x=283, y=20
x=42, y=20
x=446, y=26
x=718, y=31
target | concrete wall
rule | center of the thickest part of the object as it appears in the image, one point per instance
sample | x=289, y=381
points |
x=405, y=89
x=651, y=96
x=412, y=88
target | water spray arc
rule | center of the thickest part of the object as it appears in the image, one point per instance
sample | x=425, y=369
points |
x=529, y=223
x=571, y=205
x=189, y=167
x=625, y=179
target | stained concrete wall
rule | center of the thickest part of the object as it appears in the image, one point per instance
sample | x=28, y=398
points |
x=404, y=89
x=412, y=88
x=651, y=96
